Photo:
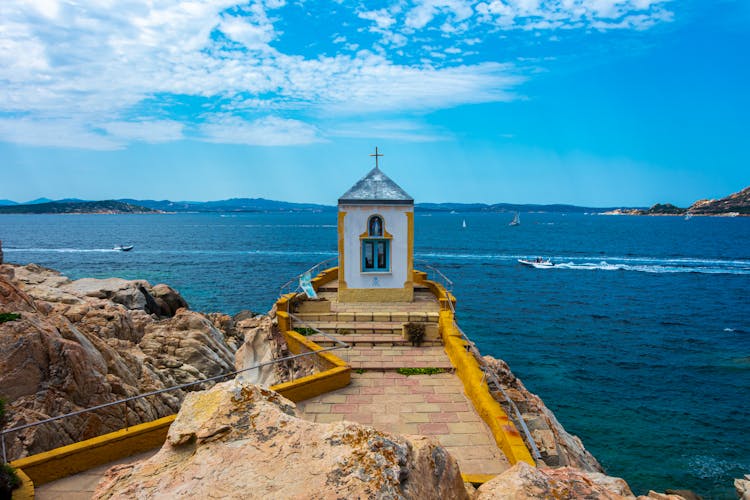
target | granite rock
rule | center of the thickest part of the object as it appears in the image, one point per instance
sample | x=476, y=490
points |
x=275, y=454
x=557, y=446
x=743, y=487
x=77, y=346
x=524, y=482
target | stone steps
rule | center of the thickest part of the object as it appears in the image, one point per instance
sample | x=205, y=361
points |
x=370, y=316
x=369, y=340
x=389, y=358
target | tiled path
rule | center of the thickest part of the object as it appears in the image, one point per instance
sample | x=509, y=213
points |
x=430, y=405
x=384, y=357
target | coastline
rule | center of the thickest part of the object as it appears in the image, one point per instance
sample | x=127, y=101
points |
x=51, y=294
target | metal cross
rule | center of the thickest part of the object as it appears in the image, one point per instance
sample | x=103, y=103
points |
x=376, y=155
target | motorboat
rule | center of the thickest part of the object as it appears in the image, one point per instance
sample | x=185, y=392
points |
x=538, y=263
x=123, y=248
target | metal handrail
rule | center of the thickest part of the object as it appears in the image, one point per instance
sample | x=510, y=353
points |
x=489, y=374
x=447, y=283
x=287, y=287
x=160, y=391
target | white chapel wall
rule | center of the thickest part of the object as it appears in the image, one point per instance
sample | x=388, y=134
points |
x=355, y=223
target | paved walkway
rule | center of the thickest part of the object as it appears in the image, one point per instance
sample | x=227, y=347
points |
x=384, y=357
x=429, y=405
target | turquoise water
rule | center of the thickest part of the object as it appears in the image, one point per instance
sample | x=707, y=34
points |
x=639, y=340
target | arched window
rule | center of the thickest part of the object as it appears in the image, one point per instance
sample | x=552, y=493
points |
x=376, y=248
x=375, y=226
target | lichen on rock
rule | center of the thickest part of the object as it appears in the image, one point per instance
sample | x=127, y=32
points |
x=238, y=440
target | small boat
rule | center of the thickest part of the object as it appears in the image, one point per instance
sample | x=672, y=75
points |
x=123, y=248
x=537, y=263
x=516, y=220
x=463, y=224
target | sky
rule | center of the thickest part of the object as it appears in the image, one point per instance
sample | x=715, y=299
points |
x=590, y=102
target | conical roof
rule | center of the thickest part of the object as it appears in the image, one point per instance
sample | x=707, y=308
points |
x=376, y=188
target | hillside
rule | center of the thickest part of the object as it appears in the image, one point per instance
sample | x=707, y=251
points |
x=77, y=207
x=737, y=203
x=230, y=205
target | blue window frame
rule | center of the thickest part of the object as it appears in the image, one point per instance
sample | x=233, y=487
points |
x=376, y=249
x=376, y=255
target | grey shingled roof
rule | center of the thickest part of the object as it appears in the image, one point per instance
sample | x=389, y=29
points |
x=376, y=187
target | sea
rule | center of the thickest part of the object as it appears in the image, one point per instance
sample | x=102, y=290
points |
x=638, y=339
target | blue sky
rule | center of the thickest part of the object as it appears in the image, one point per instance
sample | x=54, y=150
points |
x=598, y=103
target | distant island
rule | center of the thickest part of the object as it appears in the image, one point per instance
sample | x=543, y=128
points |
x=77, y=207
x=733, y=205
x=737, y=204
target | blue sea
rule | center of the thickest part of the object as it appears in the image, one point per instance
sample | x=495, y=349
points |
x=638, y=340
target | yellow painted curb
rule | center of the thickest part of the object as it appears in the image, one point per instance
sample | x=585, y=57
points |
x=84, y=455
x=506, y=435
x=26, y=490
x=477, y=479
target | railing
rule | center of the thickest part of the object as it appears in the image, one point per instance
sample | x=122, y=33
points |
x=3, y=433
x=437, y=275
x=487, y=371
x=493, y=380
x=292, y=286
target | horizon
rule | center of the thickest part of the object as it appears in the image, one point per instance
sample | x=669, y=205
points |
x=607, y=103
x=44, y=199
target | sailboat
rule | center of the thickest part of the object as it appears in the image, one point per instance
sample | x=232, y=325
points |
x=463, y=224
x=516, y=220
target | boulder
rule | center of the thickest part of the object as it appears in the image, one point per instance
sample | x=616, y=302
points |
x=743, y=487
x=170, y=297
x=238, y=440
x=79, y=344
x=262, y=341
x=524, y=482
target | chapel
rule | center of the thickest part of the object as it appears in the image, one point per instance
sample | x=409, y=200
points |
x=376, y=240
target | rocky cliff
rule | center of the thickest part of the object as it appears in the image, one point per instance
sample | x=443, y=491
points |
x=737, y=203
x=87, y=342
x=556, y=445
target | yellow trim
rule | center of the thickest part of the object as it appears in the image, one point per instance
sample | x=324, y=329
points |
x=476, y=389
x=477, y=479
x=26, y=490
x=367, y=235
x=342, y=269
x=409, y=283
x=84, y=455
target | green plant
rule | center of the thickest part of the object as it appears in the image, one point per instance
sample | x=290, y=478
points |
x=9, y=481
x=360, y=371
x=415, y=333
x=9, y=317
x=305, y=331
x=419, y=371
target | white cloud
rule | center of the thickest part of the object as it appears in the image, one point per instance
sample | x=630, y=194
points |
x=78, y=73
x=64, y=133
x=381, y=18
x=399, y=130
x=267, y=131
x=145, y=131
